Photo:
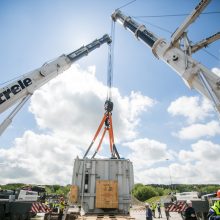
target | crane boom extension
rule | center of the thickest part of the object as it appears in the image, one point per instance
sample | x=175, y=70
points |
x=205, y=42
x=194, y=74
x=189, y=20
x=138, y=30
x=23, y=87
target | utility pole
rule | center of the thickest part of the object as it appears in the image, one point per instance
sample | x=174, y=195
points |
x=171, y=183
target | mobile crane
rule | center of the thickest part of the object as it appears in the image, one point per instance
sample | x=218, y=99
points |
x=177, y=54
x=21, y=90
x=178, y=57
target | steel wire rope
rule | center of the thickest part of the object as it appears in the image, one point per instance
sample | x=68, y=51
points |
x=110, y=62
x=154, y=25
x=17, y=77
x=166, y=30
x=111, y=55
x=210, y=54
x=127, y=4
x=173, y=15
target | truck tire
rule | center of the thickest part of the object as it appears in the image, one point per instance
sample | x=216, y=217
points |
x=24, y=216
x=47, y=216
x=14, y=216
x=2, y=213
x=18, y=216
x=71, y=217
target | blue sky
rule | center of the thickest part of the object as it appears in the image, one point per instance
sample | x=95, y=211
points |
x=155, y=115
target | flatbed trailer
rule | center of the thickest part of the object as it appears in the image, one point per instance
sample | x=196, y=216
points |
x=14, y=209
x=105, y=217
x=72, y=216
x=20, y=210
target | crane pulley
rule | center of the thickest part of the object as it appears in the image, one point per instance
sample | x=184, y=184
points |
x=106, y=121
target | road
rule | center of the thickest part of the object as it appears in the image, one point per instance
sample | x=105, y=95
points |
x=139, y=214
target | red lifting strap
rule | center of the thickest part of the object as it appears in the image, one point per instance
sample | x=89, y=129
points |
x=107, y=121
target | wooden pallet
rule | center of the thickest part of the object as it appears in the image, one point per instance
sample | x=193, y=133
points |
x=105, y=217
x=89, y=217
x=55, y=216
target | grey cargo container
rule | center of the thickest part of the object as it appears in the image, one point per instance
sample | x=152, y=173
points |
x=87, y=171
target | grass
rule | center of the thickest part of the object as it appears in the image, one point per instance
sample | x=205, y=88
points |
x=155, y=199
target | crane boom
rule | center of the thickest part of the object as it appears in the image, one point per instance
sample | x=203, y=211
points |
x=205, y=42
x=24, y=87
x=194, y=74
x=189, y=20
x=31, y=81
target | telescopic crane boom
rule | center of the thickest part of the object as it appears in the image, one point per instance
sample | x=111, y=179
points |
x=179, y=58
x=21, y=89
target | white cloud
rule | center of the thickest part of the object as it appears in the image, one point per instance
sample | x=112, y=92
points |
x=74, y=105
x=68, y=111
x=38, y=159
x=203, y=160
x=174, y=173
x=196, y=131
x=139, y=103
x=200, y=164
x=146, y=152
x=159, y=175
x=197, y=165
x=216, y=71
x=205, y=151
x=192, y=108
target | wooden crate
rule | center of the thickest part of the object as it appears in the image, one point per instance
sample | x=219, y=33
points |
x=73, y=194
x=106, y=194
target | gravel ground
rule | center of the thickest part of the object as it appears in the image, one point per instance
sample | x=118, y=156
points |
x=139, y=214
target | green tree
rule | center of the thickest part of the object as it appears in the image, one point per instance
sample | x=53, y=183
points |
x=136, y=186
x=56, y=187
x=143, y=193
x=60, y=191
x=66, y=189
x=160, y=191
x=48, y=189
x=209, y=189
x=166, y=191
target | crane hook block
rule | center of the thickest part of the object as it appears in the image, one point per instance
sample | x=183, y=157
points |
x=108, y=106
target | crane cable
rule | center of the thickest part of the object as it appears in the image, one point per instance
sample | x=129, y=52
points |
x=108, y=106
x=108, y=103
x=110, y=63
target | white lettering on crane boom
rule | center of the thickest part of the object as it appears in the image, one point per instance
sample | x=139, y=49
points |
x=14, y=89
